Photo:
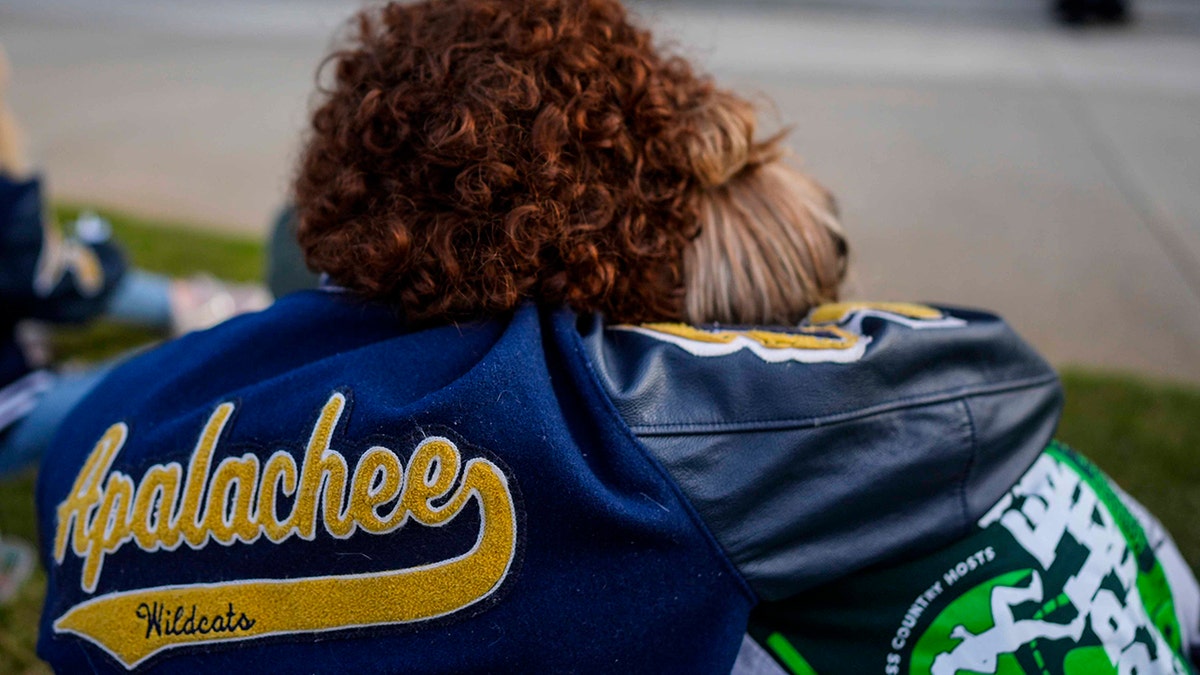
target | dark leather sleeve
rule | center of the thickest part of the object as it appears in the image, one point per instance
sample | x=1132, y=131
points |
x=813, y=463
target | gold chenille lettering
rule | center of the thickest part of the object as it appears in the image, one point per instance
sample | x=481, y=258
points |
x=337, y=518
x=152, y=507
x=279, y=475
x=323, y=467
x=106, y=509
x=477, y=471
x=229, y=511
x=86, y=493
x=431, y=473
x=800, y=337
x=837, y=312
x=267, y=608
x=376, y=465
x=110, y=528
x=188, y=519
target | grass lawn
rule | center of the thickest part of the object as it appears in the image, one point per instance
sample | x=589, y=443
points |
x=1145, y=434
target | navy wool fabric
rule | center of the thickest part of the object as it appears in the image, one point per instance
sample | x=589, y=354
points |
x=613, y=570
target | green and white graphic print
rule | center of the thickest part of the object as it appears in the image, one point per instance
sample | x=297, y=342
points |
x=1058, y=578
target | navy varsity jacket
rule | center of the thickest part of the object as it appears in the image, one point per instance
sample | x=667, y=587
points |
x=316, y=489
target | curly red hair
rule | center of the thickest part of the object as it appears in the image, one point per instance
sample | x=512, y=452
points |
x=472, y=154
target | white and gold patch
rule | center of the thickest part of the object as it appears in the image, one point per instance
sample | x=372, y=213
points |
x=830, y=333
x=910, y=315
x=808, y=344
x=60, y=257
x=167, y=507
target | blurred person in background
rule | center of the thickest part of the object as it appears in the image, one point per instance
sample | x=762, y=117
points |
x=50, y=278
x=573, y=399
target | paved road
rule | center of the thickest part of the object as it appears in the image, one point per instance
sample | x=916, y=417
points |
x=982, y=156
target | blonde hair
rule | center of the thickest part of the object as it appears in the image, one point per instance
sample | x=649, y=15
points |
x=13, y=160
x=770, y=246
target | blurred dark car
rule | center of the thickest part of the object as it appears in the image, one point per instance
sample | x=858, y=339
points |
x=1081, y=11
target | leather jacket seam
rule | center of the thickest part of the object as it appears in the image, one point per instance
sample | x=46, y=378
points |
x=972, y=454
x=580, y=353
x=750, y=426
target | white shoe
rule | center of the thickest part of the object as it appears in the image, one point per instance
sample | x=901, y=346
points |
x=204, y=301
x=16, y=566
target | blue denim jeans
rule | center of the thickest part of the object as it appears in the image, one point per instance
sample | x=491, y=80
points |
x=22, y=445
x=141, y=298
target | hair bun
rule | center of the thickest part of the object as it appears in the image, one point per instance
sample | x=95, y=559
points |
x=721, y=142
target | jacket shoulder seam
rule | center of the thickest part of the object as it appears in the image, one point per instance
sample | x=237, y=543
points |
x=779, y=424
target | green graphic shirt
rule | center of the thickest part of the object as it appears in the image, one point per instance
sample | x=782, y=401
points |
x=1060, y=577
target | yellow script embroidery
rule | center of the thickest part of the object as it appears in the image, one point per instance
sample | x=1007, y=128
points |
x=806, y=344
x=830, y=334
x=106, y=510
x=803, y=337
x=838, y=312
